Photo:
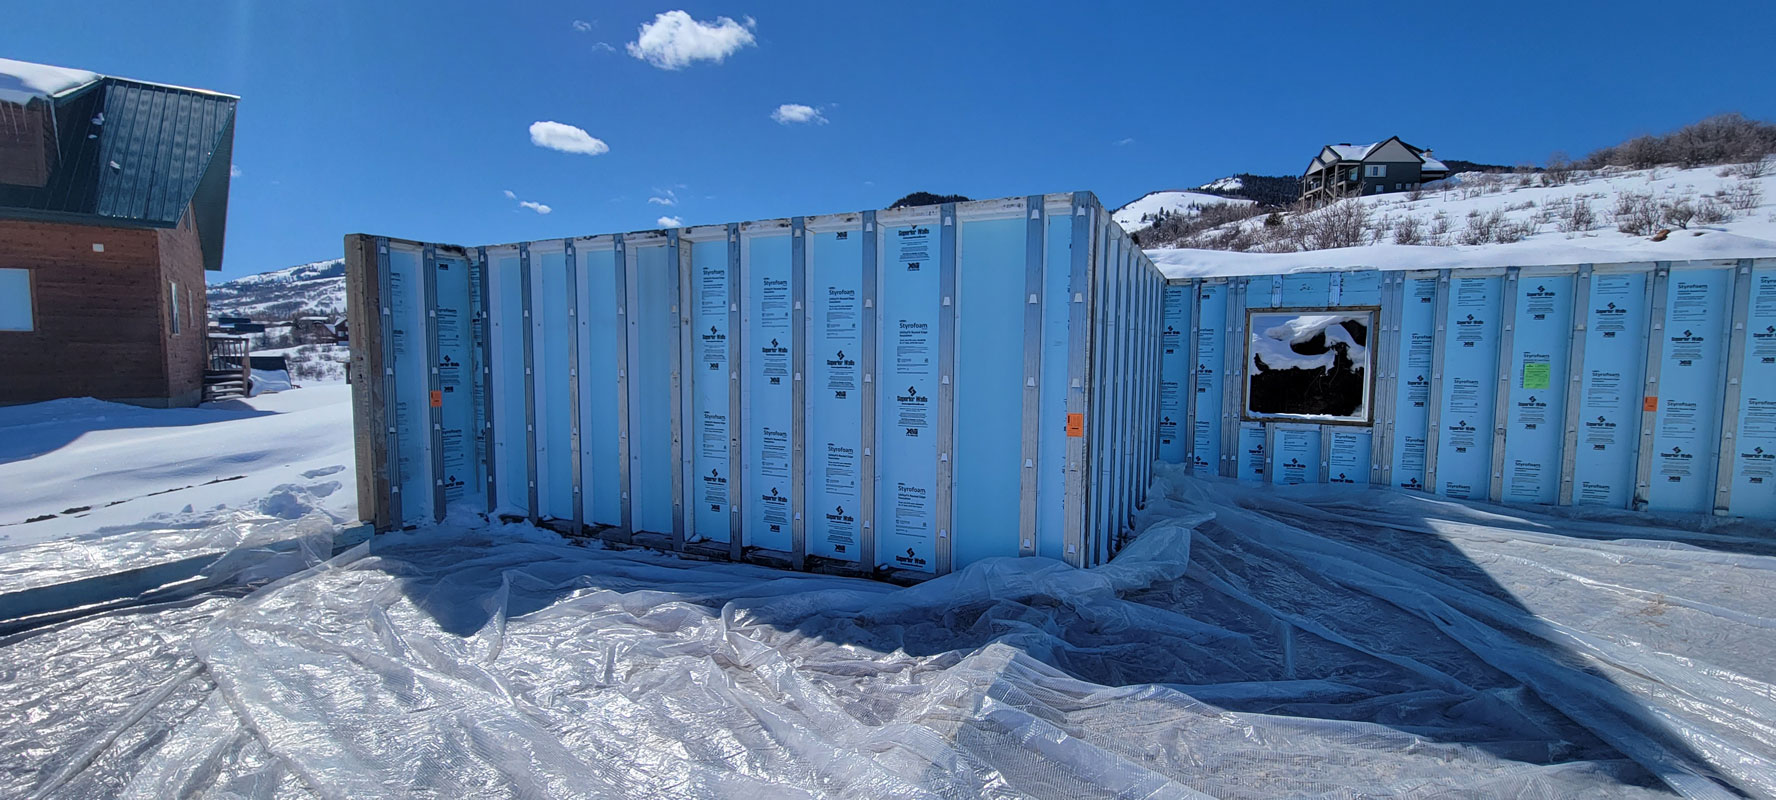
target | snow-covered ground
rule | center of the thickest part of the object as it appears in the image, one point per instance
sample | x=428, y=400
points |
x=1539, y=222
x=1144, y=210
x=83, y=466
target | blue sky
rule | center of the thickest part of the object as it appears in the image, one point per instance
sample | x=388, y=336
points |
x=413, y=119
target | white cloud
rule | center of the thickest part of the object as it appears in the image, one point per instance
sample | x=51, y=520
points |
x=582, y=26
x=1128, y=141
x=537, y=207
x=604, y=46
x=510, y=195
x=234, y=171
x=664, y=197
x=566, y=138
x=670, y=222
x=793, y=113
x=674, y=40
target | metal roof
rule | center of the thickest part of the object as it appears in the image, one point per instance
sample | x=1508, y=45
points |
x=135, y=154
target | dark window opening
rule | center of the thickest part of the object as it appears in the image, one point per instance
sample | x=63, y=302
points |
x=1312, y=365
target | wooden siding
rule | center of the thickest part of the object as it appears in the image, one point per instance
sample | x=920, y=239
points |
x=182, y=261
x=100, y=317
x=27, y=144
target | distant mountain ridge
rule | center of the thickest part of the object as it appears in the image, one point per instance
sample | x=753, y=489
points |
x=316, y=288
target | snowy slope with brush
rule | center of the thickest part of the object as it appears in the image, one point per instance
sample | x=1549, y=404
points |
x=1142, y=211
x=1475, y=219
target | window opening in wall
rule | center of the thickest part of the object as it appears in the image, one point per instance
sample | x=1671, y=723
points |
x=15, y=300
x=1313, y=365
x=173, y=301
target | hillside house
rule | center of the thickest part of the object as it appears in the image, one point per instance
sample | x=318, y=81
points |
x=1347, y=170
x=113, y=203
x=316, y=330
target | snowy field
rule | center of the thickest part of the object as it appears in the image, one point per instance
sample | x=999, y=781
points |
x=81, y=466
x=1253, y=642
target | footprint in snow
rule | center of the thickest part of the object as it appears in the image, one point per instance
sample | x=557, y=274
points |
x=323, y=489
x=323, y=471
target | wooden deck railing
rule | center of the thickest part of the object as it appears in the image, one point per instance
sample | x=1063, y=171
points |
x=229, y=368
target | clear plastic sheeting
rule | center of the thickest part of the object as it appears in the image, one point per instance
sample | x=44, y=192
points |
x=282, y=533
x=1251, y=643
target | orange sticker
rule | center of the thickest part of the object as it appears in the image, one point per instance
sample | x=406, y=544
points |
x=1650, y=404
x=1075, y=425
x=437, y=398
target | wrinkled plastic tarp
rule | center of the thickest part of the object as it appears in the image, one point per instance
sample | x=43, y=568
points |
x=1251, y=642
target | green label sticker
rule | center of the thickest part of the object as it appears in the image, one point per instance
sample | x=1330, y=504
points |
x=1535, y=376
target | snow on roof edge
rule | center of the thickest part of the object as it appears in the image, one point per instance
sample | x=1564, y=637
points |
x=1181, y=263
x=22, y=80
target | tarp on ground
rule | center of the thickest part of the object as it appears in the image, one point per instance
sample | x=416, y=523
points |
x=1252, y=642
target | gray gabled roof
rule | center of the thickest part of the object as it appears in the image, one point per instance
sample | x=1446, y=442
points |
x=134, y=154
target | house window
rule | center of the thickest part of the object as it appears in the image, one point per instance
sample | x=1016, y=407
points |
x=173, y=300
x=1375, y=171
x=15, y=300
x=1310, y=366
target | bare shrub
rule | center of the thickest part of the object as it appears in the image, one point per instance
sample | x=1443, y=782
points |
x=1559, y=171
x=1341, y=224
x=1378, y=231
x=1636, y=213
x=1744, y=195
x=1440, y=223
x=1409, y=230
x=1756, y=168
x=1576, y=216
x=1508, y=232
x=1483, y=227
x=1677, y=211
x=1710, y=211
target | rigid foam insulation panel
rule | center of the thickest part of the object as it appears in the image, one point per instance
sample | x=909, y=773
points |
x=1644, y=386
x=896, y=393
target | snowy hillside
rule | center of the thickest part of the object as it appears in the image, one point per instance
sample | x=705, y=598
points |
x=1610, y=209
x=1231, y=183
x=1145, y=210
x=317, y=288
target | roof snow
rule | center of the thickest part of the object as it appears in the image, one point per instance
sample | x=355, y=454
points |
x=21, y=80
x=1352, y=152
x=1141, y=212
